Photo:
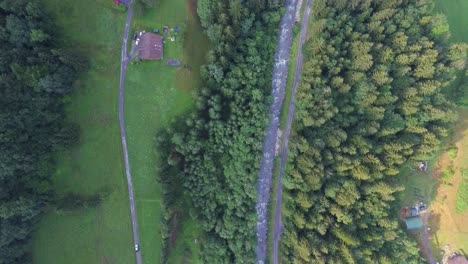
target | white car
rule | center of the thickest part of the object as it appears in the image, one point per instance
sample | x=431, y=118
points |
x=137, y=247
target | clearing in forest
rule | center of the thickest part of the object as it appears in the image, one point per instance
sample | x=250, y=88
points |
x=102, y=233
x=446, y=185
x=448, y=221
x=154, y=94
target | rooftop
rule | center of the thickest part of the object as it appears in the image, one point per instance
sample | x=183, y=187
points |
x=457, y=259
x=150, y=46
x=413, y=222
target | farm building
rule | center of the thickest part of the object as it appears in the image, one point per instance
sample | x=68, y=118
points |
x=413, y=222
x=150, y=46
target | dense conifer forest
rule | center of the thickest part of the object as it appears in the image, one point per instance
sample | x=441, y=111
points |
x=220, y=150
x=35, y=78
x=369, y=101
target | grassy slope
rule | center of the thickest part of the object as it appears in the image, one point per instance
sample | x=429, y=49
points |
x=156, y=94
x=90, y=235
x=449, y=230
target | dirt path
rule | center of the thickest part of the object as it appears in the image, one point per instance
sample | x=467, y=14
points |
x=280, y=74
x=123, y=134
x=277, y=224
x=425, y=239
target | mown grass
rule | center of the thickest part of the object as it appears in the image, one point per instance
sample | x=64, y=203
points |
x=103, y=233
x=155, y=95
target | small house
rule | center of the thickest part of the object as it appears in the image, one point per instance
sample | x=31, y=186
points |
x=150, y=46
x=413, y=223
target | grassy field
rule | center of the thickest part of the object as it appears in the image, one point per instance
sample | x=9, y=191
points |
x=155, y=94
x=462, y=192
x=99, y=234
x=449, y=213
x=447, y=220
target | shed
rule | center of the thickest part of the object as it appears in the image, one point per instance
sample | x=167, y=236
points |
x=413, y=222
x=150, y=46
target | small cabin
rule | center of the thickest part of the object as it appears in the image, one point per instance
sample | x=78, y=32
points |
x=413, y=223
x=150, y=46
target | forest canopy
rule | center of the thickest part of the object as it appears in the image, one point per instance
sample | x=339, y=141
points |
x=219, y=146
x=369, y=101
x=35, y=78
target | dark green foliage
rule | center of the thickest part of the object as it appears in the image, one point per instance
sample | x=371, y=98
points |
x=368, y=102
x=34, y=81
x=220, y=146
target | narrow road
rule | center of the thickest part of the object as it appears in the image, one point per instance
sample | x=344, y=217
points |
x=425, y=239
x=123, y=135
x=278, y=225
x=280, y=74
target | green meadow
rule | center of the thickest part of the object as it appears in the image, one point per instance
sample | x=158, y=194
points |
x=155, y=94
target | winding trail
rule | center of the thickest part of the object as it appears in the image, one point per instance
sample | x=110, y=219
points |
x=280, y=74
x=123, y=134
x=278, y=225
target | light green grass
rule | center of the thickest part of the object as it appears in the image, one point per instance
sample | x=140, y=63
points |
x=90, y=235
x=447, y=174
x=462, y=192
x=155, y=95
x=455, y=10
x=452, y=152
